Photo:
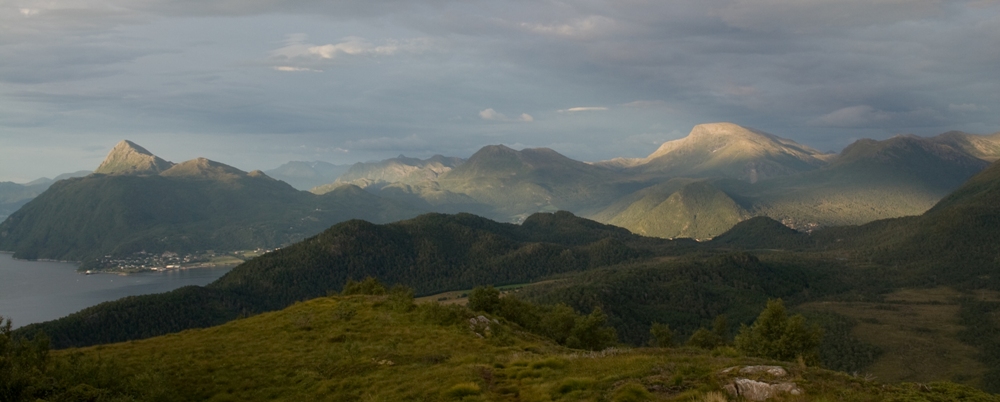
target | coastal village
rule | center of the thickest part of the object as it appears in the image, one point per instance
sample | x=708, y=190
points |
x=143, y=261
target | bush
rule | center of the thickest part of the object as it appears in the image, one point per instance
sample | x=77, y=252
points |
x=661, y=335
x=486, y=299
x=459, y=391
x=705, y=339
x=369, y=286
x=774, y=335
x=632, y=392
x=591, y=332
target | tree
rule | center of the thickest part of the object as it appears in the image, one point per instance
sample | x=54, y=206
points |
x=705, y=339
x=721, y=328
x=22, y=363
x=591, y=332
x=661, y=335
x=486, y=299
x=774, y=335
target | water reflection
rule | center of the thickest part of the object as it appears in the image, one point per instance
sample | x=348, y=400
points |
x=36, y=291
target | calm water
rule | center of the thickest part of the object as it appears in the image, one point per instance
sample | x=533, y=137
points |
x=36, y=291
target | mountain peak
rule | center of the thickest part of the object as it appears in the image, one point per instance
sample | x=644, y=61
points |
x=204, y=169
x=128, y=158
x=731, y=150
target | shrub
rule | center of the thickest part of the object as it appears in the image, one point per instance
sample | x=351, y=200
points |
x=369, y=286
x=591, y=332
x=459, y=391
x=660, y=335
x=705, y=339
x=632, y=392
x=486, y=299
x=774, y=335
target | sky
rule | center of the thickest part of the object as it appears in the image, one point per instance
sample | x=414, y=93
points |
x=257, y=83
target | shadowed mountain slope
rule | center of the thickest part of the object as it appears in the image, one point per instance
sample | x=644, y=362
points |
x=15, y=195
x=192, y=206
x=956, y=242
x=518, y=183
x=431, y=253
x=869, y=180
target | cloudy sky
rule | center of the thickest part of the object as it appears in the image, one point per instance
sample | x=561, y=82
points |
x=256, y=83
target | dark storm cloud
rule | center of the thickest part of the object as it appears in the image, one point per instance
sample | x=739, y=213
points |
x=366, y=79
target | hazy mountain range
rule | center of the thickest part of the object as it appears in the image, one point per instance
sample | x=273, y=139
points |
x=695, y=187
x=14, y=195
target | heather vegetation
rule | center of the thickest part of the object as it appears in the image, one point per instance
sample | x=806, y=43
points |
x=383, y=347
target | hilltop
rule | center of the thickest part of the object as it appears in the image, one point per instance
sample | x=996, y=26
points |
x=729, y=150
x=127, y=158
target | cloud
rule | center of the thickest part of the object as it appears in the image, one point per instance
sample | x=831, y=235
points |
x=583, y=109
x=493, y=115
x=582, y=28
x=298, y=50
x=863, y=116
x=818, y=15
x=966, y=108
x=490, y=114
x=290, y=69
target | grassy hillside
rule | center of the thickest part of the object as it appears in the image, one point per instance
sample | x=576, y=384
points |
x=696, y=210
x=376, y=348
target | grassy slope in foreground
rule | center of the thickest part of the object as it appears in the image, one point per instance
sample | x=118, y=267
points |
x=383, y=348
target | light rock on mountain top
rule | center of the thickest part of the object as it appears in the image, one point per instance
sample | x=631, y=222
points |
x=127, y=158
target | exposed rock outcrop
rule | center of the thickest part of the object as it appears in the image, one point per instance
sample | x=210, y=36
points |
x=127, y=158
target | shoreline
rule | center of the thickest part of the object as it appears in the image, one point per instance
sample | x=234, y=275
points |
x=78, y=264
x=157, y=269
x=11, y=254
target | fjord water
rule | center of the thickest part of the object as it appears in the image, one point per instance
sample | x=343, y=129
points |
x=36, y=291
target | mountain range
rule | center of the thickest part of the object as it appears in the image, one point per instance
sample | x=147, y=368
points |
x=696, y=187
x=14, y=195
